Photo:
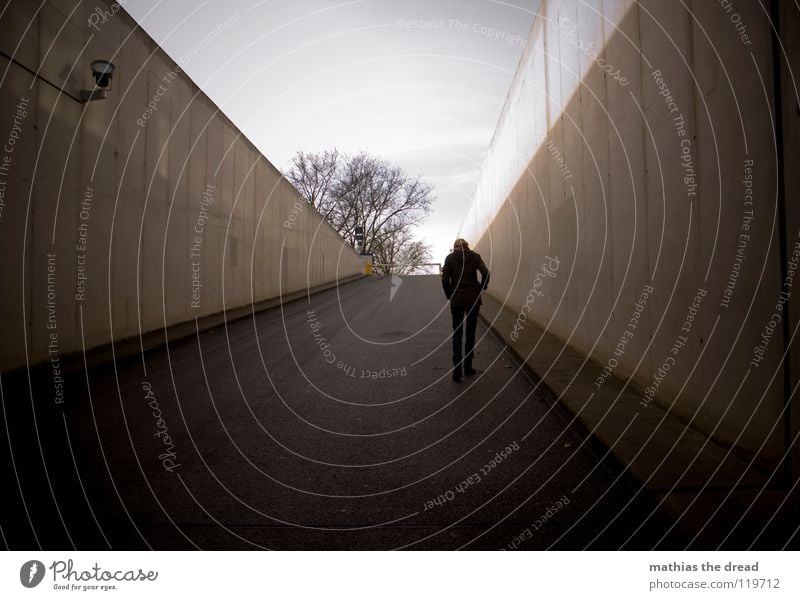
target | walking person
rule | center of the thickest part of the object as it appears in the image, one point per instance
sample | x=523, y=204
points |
x=462, y=288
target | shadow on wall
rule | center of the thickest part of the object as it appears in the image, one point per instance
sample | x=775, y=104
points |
x=641, y=158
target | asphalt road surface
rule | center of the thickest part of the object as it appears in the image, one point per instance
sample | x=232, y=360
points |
x=327, y=423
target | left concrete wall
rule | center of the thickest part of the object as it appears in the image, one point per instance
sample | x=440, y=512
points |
x=146, y=209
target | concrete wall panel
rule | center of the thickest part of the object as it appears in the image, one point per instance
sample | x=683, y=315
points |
x=139, y=187
x=790, y=75
x=642, y=103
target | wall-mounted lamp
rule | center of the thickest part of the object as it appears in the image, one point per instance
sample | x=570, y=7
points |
x=102, y=71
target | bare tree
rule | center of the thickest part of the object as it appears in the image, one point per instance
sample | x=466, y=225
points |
x=412, y=257
x=315, y=176
x=364, y=191
x=388, y=249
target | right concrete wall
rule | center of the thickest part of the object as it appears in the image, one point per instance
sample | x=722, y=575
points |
x=631, y=204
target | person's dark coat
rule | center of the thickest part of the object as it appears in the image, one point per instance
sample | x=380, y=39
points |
x=460, y=278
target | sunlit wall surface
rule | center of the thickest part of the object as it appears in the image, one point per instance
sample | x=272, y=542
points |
x=129, y=214
x=637, y=151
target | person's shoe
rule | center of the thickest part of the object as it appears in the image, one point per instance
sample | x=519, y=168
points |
x=457, y=373
x=468, y=370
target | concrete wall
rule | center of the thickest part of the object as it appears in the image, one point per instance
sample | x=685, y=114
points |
x=136, y=194
x=635, y=194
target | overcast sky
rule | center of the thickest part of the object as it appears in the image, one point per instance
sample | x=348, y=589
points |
x=417, y=82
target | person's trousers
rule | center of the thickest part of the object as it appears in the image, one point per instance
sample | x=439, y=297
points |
x=470, y=315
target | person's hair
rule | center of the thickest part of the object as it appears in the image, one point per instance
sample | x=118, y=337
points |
x=460, y=243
